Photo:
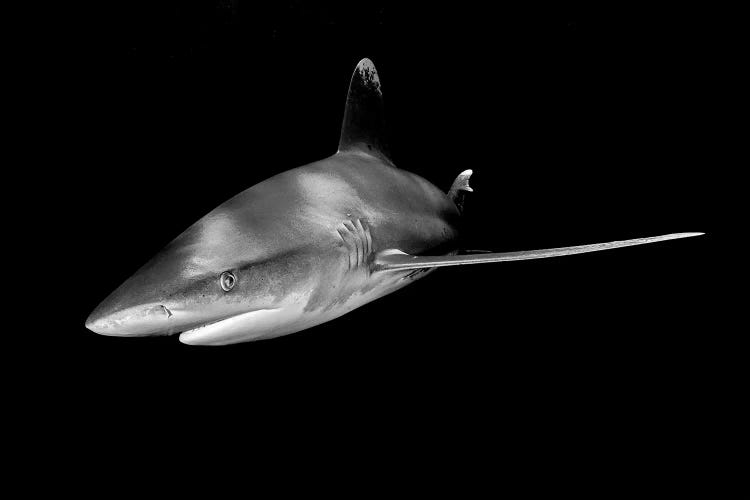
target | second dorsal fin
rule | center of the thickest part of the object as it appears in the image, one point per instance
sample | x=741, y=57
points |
x=364, y=122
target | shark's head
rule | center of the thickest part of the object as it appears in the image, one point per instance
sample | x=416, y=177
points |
x=217, y=280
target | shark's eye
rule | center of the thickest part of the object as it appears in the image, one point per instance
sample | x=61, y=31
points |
x=227, y=281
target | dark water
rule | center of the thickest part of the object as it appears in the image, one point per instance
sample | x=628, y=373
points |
x=581, y=126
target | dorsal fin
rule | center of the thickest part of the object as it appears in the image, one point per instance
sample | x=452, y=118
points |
x=364, y=122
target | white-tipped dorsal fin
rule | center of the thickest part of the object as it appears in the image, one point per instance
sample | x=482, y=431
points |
x=363, y=129
x=390, y=260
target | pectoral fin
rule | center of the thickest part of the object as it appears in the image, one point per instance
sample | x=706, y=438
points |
x=395, y=260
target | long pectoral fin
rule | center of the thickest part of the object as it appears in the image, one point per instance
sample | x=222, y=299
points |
x=395, y=260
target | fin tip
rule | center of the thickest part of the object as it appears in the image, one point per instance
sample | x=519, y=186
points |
x=365, y=61
x=366, y=68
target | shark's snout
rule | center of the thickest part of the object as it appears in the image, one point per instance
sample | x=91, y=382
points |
x=148, y=319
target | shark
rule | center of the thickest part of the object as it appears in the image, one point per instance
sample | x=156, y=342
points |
x=308, y=245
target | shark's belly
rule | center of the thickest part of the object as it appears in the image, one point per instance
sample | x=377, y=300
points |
x=356, y=294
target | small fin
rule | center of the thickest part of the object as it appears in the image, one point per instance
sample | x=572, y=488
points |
x=460, y=187
x=364, y=120
x=395, y=260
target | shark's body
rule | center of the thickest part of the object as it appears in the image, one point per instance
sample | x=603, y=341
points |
x=294, y=238
x=304, y=246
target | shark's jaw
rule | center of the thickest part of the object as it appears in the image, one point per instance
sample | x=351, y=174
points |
x=287, y=316
x=195, y=326
x=252, y=325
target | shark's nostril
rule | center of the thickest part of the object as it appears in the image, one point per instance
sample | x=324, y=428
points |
x=169, y=313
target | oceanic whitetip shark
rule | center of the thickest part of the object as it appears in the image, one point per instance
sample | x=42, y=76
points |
x=307, y=245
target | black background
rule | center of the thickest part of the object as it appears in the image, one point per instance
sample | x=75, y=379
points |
x=581, y=126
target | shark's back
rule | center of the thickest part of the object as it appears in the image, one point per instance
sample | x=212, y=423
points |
x=305, y=206
x=403, y=209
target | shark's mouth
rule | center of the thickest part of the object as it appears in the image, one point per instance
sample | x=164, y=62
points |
x=246, y=326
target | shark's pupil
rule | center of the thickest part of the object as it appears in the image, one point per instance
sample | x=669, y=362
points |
x=227, y=281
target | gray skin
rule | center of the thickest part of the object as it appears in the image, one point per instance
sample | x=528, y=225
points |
x=307, y=245
x=303, y=240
